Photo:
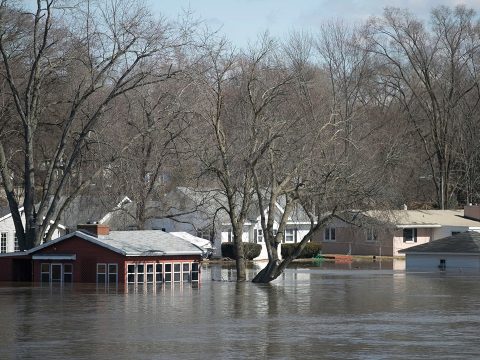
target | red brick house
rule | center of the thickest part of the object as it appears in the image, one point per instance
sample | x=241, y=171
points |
x=93, y=254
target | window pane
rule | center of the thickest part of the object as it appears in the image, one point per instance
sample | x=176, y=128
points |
x=101, y=278
x=159, y=277
x=112, y=278
x=194, y=276
x=112, y=268
x=332, y=233
x=150, y=278
x=176, y=267
x=67, y=268
x=176, y=277
x=158, y=268
x=149, y=268
x=101, y=268
x=140, y=278
x=45, y=277
x=168, y=277
x=131, y=268
x=140, y=268
x=45, y=268
x=168, y=267
x=67, y=278
x=131, y=278
x=186, y=277
x=186, y=267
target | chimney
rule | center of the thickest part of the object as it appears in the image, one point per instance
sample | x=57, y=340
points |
x=95, y=229
x=472, y=212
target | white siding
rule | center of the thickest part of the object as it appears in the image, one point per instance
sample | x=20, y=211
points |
x=430, y=262
x=7, y=226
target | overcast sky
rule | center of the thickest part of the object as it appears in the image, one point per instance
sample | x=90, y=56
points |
x=243, y=20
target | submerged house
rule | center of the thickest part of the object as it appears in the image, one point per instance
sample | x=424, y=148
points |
x=93, y=254
x=388, y=232
x=458, y=252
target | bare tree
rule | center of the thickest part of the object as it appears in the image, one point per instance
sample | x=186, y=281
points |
x=64, y=68
x=431, y=71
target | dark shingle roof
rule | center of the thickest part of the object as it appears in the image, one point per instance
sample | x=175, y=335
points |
x=466, y=242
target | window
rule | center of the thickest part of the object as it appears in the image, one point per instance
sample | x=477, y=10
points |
x=410, y=235
x=205, y=234
x=67, y=273
x=45, y=272
x=259, y=235
x=168, y=273
x=56, y=273
x=289, y=235
x=3, y=242
x=177, y=269
x=329, y=234
x=131, y=273
x=229, y=235
x=371, y=235
x=159, y=272
x=112, y=273
x=186, y=272
x=140, y=273
x=15, y=241
x=101, y=273
x=195, y=272
x=455, y=232
x=149, y=273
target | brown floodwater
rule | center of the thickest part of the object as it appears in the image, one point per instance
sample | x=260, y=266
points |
x=314, y=311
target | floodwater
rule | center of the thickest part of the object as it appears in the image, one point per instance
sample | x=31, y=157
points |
x=314, y=311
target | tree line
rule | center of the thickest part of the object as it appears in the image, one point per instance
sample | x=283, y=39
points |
x=105, y=98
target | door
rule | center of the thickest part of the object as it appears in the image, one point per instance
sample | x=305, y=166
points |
x=56, y=273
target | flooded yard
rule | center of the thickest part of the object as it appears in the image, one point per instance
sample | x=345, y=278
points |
x=329, y=311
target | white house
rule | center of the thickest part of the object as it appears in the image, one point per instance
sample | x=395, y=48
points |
x=8, y=238
x=456, y=252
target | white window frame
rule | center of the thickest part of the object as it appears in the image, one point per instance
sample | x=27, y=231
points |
x=187, y=272
x=259, y=236
x=61, y=272
x=152, y=273
x=104, y=273
x=414, y=235
x=109, y=273
x=3, y=242
x=137, y=273
x=177, y=272
x=67, y=273
x=167, y=274
x=44, y=272
x=16, y=247
x=292, y=235
x=133, y=274
x=159, y=274
x=327, y=234
x=195, y=273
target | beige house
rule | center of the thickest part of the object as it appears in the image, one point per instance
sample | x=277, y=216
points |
x=387, y=232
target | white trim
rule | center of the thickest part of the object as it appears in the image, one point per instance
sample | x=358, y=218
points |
x=420, y=226
x=54, y=257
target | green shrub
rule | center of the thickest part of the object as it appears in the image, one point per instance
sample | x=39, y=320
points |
x=310, y=250
x=250, y=250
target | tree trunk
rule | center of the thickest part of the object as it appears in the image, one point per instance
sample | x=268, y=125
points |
x=272, y=270
x=240, y=261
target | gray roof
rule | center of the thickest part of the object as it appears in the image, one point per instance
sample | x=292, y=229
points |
x=133, y=243
x=461, y=243
x=149, y=242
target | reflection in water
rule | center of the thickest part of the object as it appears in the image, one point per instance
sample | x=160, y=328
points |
x=327, y=311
